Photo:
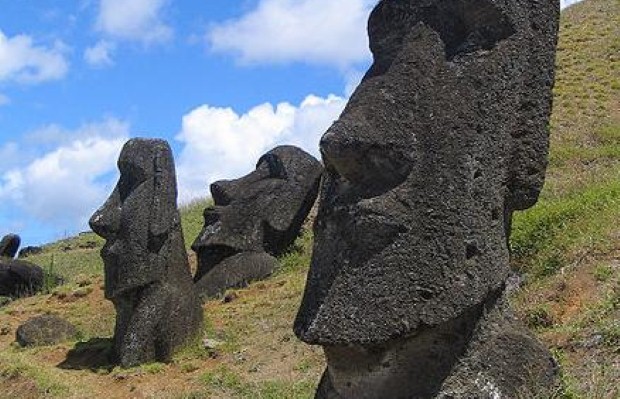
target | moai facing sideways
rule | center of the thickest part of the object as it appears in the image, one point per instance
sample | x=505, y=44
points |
x=147, y=274
x=444, y=138
x=254, y=219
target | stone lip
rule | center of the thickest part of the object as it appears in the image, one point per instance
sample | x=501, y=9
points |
x=255, y=218
x=444, y=138
x=45, y=330
x=485, y=353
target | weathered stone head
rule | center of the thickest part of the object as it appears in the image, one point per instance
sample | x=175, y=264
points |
x=147, y=273
x=255, y=218
x=19, y=278
x=9, y=245
x=444, y=138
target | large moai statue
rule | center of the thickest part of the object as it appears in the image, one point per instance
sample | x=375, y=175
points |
x=9, y=246
x=444, y=138
x=255, y=218
x=147, y=274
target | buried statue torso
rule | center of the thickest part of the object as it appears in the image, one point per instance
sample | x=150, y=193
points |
x=444, y=138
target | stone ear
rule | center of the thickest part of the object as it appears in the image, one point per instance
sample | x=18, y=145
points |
x=164, y=195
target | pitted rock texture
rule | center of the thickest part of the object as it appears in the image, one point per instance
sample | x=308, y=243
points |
x=45, y=330
x=255, y=218
x=444, y=138
x=9, y=246
x=19, y=278
x=147, y=274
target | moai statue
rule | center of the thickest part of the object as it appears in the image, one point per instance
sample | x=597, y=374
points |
x=147, y=274
x=444, y=138
x=255, y=218
x=9, y=246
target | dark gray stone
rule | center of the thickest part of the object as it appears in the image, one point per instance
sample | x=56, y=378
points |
x=45, y=330
x=444, y=138
x=9, y=245
x=19, y=278
x=29, y=250
x=147, y=274
x=255, y=218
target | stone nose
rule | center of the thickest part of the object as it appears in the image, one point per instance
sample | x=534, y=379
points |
x=373, y=166
x=220, y=191
x=105, y=222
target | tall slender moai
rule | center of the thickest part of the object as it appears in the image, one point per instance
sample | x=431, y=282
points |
x=443, y=139
x=147, y=274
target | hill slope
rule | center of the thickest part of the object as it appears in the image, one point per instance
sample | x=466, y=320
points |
x=567, y=250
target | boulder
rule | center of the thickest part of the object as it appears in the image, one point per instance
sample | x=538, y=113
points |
x=254, y=219
x=9, y=246
x=45, y=330
x=19, y=278
x=146, y=270
x=30, y=250
x=444, y=138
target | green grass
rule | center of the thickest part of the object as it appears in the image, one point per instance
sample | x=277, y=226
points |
x=570, y=237
x=224, y=381
x=545, y=237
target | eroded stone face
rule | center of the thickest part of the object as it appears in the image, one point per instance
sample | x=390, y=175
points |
x=444, y=138
x=147, y=274
x=255, y=218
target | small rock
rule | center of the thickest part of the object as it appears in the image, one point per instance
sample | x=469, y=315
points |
x=211, y=344
x=5, y=330
x=44, y=330
x=88, y=245
x=593, y=341
x=30, y=250
x=231, y=296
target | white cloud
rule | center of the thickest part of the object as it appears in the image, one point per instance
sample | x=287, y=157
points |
x=134, y=20
x=566, y=3
x=324, y=32
x=100, y=55
x=4, y=100
x=24, y=62
x=219, y=143
x=66, y=184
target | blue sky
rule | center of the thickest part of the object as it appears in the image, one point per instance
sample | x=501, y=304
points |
x=222, y=80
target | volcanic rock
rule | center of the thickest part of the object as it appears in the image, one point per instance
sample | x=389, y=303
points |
x=444, y=138
x=147, y=274
x=254, y=219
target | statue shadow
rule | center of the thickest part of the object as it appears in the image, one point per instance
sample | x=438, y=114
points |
x=94, y=355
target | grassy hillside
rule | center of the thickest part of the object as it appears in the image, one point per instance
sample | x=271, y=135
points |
x=568, y=246
x=567, y=250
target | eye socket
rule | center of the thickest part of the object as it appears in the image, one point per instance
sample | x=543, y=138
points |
x=274, y=165
x=131, y=177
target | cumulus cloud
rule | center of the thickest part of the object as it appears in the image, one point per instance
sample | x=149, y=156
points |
x=64, y=185
x=100, y=55
x=566, y=3
x=324, y=32
x=135, y=20
x=219, y=143
x=22, y=61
